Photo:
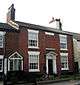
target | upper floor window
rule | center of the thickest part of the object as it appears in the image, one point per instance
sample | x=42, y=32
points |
x=33, y=61
x=32, y=38
x=63, y=41
x=1, y=39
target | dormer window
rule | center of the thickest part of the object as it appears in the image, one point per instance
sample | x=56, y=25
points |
x=32, y=39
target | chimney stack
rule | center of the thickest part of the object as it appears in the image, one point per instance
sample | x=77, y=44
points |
x=11, y=13
x=58, y=24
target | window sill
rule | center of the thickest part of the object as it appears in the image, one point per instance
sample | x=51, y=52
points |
x=34, y=70
x=1, y=70
x=64, y=69
x=1, y=46
x=33, y=47
x=63, y=49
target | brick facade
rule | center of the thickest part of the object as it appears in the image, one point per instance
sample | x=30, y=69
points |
x=18, y=41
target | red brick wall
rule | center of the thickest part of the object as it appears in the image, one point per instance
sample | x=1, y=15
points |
x=42, y=48
x=47, y=41
x=19, y=42
x=57, y=47
x=11, y=43
x=53, y=42
x=23, y=47
x=70, y=53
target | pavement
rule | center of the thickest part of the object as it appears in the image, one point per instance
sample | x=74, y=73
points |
x=52, y=82
x=1, y=83
x=64, y=82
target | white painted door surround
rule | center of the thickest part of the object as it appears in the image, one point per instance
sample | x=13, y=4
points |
x=51, y=55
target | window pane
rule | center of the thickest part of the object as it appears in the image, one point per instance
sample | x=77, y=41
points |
x=32, y=39
x=33, y=61
x=1, y=40
x=11, y=65
x=63, y=42
x=63, y=45
x=64, y=62
x=15, y=64
x=1, y=64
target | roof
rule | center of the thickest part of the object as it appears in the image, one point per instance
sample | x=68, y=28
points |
x=6, y=27
x=38, y=27
x=76, y=36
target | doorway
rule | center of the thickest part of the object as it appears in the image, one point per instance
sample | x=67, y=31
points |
x=50, y=66
x=51, y=63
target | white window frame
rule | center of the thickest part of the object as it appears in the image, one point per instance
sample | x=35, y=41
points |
x=2, y=41
x=34, y=53
x=65, y=54
x=1, y=57
x=34, y=31
x=21, y=58
x=49, y=33
x=65, y=36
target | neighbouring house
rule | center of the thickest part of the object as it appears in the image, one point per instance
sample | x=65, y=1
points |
x=35, y=48
x=4, y=30
x=76, y=45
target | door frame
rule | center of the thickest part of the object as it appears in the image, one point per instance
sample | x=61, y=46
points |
x=51, y=55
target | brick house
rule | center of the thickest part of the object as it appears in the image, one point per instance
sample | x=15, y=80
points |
x=35, y=48
x=4, y=30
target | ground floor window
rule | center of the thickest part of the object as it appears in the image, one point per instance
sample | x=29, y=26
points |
x=64, y=61
x=33, y=61
x=1, y=63
x=15, y=62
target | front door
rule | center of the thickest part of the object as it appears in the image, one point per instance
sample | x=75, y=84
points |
x=76, y=67
x=50, y=66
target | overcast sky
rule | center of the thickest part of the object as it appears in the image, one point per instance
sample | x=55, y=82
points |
x=41, y=12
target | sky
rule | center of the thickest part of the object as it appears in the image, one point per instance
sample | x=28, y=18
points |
x=40, y=12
